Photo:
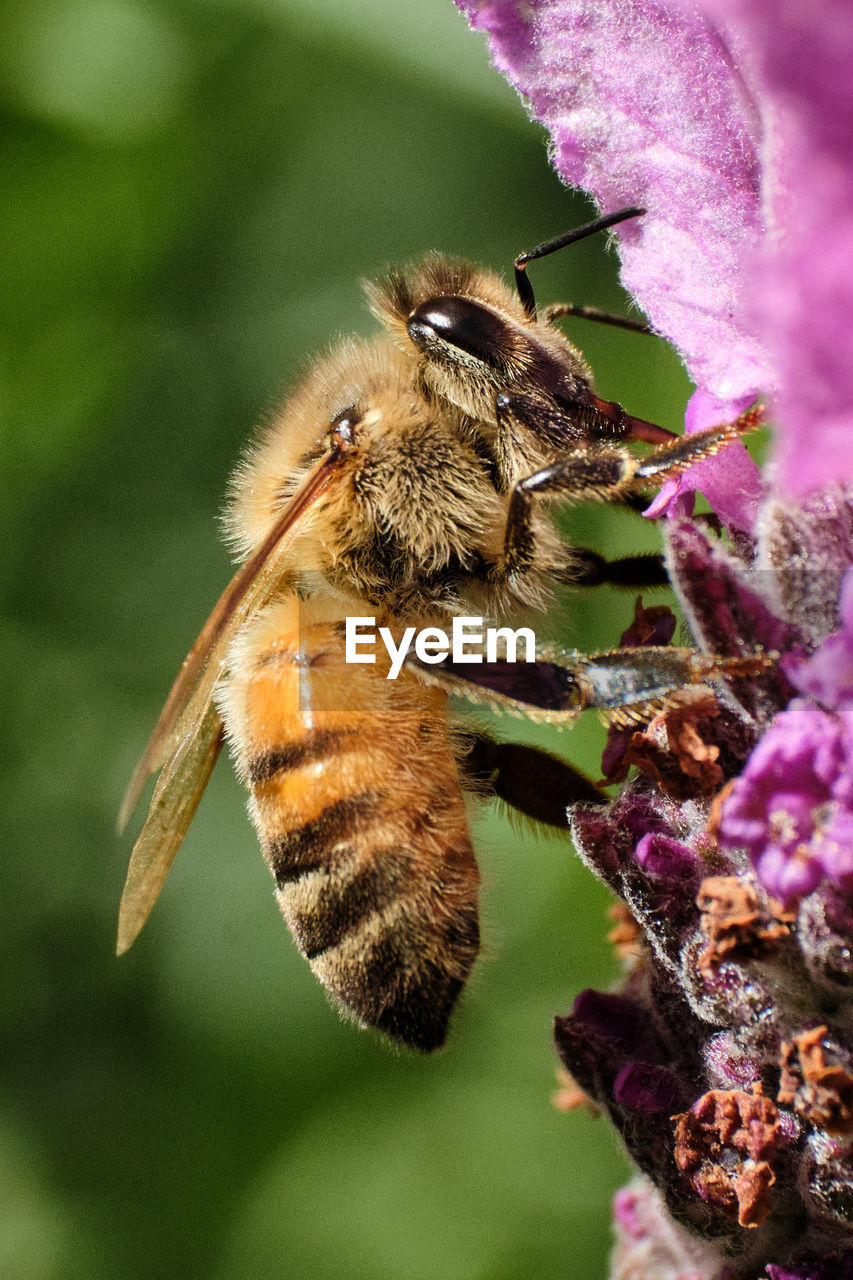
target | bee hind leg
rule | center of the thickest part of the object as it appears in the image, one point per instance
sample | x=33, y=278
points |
x=532, y=781
x=585, y=568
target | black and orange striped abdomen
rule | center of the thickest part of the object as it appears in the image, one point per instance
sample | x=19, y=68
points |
x=356, y=799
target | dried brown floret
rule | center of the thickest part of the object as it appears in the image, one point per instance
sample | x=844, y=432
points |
x=570, y=1096
x=736, y=923
x=726, y=1144
x=820, y=1092
x=674, y=748
x=626, y=936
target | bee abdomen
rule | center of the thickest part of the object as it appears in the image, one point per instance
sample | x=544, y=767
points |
x=309, y=847
x=330, y=904
x=356, y=798
x=395, y=951
x=315, y=747
x=392, y=945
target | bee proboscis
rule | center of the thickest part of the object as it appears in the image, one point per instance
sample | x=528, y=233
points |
x=402, y=478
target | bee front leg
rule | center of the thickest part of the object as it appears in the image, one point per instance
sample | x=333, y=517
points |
x=598, y=476
x=584, y=417
x=673, y=458
x=608, y=475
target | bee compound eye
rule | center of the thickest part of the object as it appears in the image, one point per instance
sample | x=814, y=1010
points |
x=462, y=323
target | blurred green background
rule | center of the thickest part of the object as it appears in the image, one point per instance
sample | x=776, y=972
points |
x=190, y=194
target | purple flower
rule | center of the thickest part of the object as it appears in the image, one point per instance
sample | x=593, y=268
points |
x=643, y=109
x=792, y=806
x=731, y=123
x=827, y=675
x=798, y=72
x=650, y=1244
x=836, y=1268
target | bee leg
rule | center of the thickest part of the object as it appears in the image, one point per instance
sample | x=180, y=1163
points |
x=554, y=425
x=668, y=461
x=597, y=476
x=625, y=686
x=585, y=568
x=612, y=475
x=534, y=782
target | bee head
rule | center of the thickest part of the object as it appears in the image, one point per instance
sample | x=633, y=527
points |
x=472, y=337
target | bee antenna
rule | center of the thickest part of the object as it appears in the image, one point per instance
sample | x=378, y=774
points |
x=522, y=283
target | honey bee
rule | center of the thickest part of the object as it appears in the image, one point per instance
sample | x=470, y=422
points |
x=400, y=480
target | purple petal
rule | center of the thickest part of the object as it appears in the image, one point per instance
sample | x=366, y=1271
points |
x=832, y=1268
x=730, y=481
x=617, y=1022
x=648, y=1088
x=605, y=837
x=788, y=807
x=802, y=748
x=724, y=119
x=667, y=859
x=802, y=296
x=643, y=108
x=649, y=1243
x=845, y=602
x=625, y=1213
x=786, y=878
x=828, y=674
x=834, y=848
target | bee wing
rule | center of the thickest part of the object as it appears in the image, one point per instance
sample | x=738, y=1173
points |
x=179, y=789
x=188, y=734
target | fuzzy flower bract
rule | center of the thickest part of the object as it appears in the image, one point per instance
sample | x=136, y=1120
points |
x=725, y=1060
